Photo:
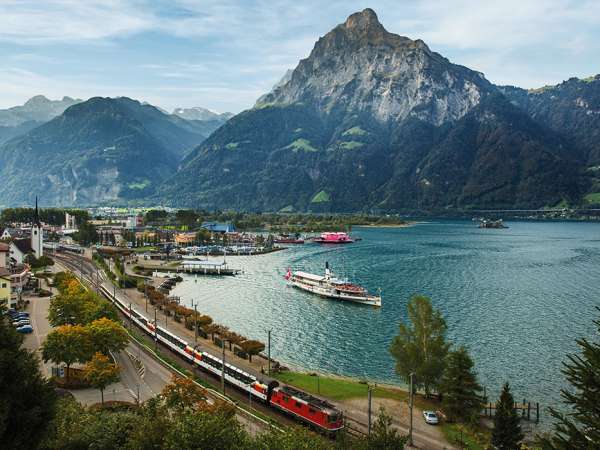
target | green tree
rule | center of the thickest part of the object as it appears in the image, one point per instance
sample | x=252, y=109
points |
x=26, y=399
x=100, y=372
x=462, y=393
x=107, y=336
x=67, y=344
x=384, y=436
x=506, y=434
x=86, y=234
x=252, y=348
x=420, y=347
x=297, y=438
x=580, y=428
x=215, y=431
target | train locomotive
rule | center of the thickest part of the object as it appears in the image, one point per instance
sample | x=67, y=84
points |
x=309, y=409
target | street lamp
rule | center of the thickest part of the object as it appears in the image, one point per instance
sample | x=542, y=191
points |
x=410, y=405
x=223, y=366
x=269, y=351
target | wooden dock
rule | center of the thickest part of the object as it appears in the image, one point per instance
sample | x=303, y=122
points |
x=526, y=409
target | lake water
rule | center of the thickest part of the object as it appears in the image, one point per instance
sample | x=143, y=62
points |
x=517, y=298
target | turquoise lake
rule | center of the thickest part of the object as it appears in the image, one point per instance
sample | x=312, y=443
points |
x=517, y=298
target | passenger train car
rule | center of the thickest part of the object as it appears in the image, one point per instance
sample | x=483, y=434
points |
x=310, y=409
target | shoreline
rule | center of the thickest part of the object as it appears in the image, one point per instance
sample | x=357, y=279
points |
x=391, y=225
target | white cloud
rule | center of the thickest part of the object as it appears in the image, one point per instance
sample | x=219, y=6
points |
x=242, y=47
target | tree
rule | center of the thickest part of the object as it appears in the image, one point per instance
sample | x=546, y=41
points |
x=26, y=399
x=580, y=428
x=215, y=431
x=506, y=434
x=107, y=336
x=462, y=393
x=67, y=344
x=67, y=309
x=183, y=393
x=86, y=234
x=383, y=436
x=420, y=346
x=100, y=372
x=252, y=348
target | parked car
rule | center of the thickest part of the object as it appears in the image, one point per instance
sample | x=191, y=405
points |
x=431, y=417
x=25, y=329
x=18, y=323
x=19, y=316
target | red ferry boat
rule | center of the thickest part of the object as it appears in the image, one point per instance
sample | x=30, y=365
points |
x=333, y=237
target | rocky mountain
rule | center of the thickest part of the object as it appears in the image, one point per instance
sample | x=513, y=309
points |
x=376, y=121
x=202, y=114
x=97, y=151
x=37, y=110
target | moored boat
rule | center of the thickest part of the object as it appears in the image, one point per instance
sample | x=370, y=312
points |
x=333, y=237
x=331, y=287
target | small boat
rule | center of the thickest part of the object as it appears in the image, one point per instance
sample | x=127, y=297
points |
x=333, y=237
x=287, y=239
x=330, y=287
x=485, y=223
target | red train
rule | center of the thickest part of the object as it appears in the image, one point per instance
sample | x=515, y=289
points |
x=306, y=407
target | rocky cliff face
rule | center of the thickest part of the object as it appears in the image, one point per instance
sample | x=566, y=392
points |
x=361, y=67
x=376, y=121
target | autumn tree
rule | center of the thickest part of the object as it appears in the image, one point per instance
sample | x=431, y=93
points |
x=462, y=393
x=99, y=372
x=420, y=347
x=183, y=393
x=67, y=344
x=107, y=336
x=252, y=348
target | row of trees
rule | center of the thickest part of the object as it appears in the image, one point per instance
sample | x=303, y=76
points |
x=204, y=322
x=51, y=216
x=87, y=331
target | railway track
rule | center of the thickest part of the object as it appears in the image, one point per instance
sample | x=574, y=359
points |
x=86, y=270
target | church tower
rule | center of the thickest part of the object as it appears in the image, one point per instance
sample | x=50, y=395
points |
x=37, y=233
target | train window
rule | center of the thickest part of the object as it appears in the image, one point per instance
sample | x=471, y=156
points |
x=334, y=417
x=312, y=411
x=286, y=398
x=298, y=404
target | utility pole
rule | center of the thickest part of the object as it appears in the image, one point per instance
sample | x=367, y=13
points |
x=369, y=392
x=155, y=333
x=130, y=318
x=269, y=351
x=195, y=323
x=223, y=367
x=410, y=405
x=146, y=293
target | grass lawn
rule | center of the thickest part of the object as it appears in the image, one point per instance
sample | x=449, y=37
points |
x=342, y=389
x=145, y=249
x=592, y=198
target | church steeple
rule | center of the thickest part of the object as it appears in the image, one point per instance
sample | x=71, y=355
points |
x=37, y=233
x=36, y=217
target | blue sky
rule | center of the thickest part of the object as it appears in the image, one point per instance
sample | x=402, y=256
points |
x=223, y=54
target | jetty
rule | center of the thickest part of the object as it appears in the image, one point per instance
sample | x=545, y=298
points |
x=198, y=267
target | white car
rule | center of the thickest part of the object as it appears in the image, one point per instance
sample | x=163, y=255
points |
x=431, y=417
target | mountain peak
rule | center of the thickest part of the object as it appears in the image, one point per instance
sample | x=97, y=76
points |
x=364, y=20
